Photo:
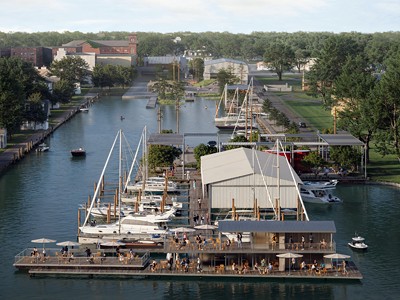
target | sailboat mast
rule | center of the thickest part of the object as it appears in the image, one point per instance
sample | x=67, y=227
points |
x=120, y=180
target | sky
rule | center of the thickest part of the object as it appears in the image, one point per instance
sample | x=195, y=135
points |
x=235, y=16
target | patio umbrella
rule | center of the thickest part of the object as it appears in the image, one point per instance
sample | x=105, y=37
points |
x=43, y=241
x=183, y=229
x=68, y=244
x=289, y=255
x=112, y=244
x=337, y=256
x=206, y=227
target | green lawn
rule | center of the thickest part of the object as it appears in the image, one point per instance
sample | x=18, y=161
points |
x=385, y=169
x=312, y=112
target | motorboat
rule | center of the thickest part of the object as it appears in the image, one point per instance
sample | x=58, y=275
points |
x=78, y=152
x=134, y=224
x=317, y=195
x=42, y=148
x=84, y=109
x=357, y=243
x=331, y=184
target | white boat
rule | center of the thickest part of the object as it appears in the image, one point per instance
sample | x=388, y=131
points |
x=84, y=109
x=331, y=184
x=143, y=199
x=141, y=225
x=317, y=195
x=43, y=148
x=357, y=243
x=101, y=211
x=135, y=224
x=152, y=186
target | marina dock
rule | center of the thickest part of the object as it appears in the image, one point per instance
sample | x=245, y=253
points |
x=141, y=266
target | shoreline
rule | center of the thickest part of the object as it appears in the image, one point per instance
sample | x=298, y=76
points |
x=17, y=152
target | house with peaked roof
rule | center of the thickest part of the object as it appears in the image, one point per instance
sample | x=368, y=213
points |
x=249, y=176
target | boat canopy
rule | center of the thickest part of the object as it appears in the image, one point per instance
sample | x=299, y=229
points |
x=277, y=226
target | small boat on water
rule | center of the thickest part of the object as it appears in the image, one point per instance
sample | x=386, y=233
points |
x=357, y=243
x=326, y=185
x=319, y=191
x=43, y=148
x=84, y=109
x=317, y=195
x=78, y=152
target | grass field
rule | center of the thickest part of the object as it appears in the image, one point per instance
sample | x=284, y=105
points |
x=381, y=169
x=311, y=111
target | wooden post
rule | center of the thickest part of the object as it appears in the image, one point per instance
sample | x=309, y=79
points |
x=89, y=201
x=79, y=219
x=94, y=187
x=233, y=209
x=109, y=213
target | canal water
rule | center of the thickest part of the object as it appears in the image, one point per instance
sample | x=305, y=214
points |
x=40, y=195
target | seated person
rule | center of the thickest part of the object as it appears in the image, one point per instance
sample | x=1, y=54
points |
x=257, y=268
x=270, y=267
x=303, y=265
x=153, y=265
x=234, y=268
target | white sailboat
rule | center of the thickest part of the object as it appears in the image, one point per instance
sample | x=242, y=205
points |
x=134, y=224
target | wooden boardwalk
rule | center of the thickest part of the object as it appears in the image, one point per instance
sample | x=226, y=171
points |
x=141, y=267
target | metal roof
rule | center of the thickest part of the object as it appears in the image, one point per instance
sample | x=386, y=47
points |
x=242, y=162
x=277, y=226
x=223, y=60
x=169, y=139
x=341, y=140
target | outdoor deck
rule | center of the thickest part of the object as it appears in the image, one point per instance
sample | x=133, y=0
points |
x=139, y=266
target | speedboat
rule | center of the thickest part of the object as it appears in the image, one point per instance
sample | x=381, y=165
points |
x=331, y=184
x=78, y=152
x=315, y=195
x=42, y=148
x=357, y=243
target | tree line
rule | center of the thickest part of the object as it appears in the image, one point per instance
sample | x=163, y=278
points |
x=22, y=89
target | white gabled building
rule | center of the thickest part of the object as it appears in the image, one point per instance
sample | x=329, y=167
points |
x=239, y=68
x=244, y=175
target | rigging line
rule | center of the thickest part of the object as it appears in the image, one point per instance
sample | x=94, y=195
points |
x=100, y=179
x=296, y=185
x=266, y=185
x=128, y=178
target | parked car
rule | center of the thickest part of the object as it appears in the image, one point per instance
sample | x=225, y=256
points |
x=212, y=144
x=302, y=125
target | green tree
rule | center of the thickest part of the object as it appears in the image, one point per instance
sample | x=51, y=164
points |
x=63, y=90
x=70, y=68
x=226, y=76
x=329, y=64
x=34, y=111
x=237, y=139
x=354, y=91
x=346, y=156
x=314, y=162
x=388, y=97
x=162, y=156
x=279, y=57
x=196, y=68
x=18, y=79
x=202, y=150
